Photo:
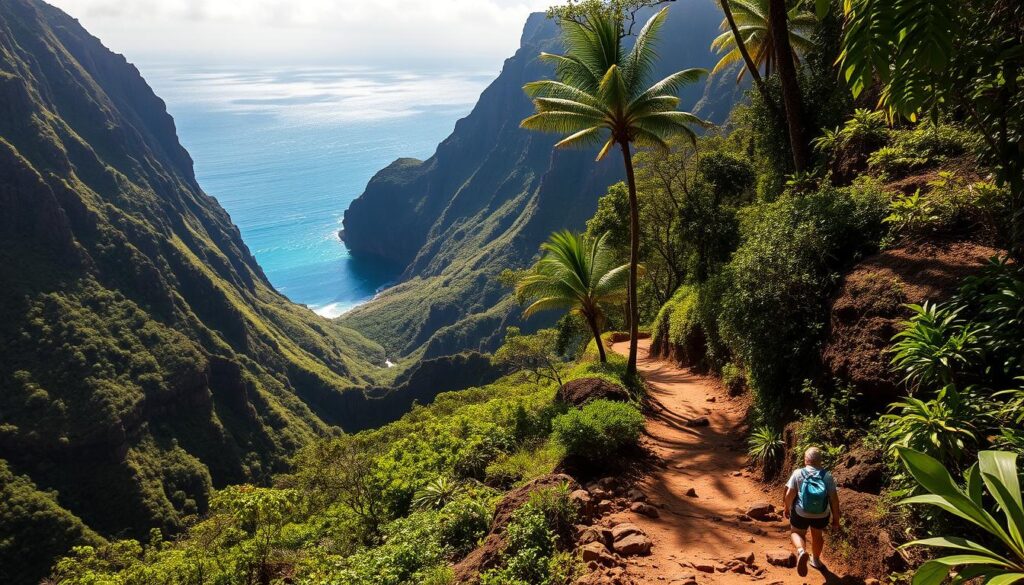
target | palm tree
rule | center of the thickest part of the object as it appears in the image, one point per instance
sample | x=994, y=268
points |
x=576, y=273
x=601, y=96
x=751, y=20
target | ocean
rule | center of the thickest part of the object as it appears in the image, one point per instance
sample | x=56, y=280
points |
x=286, y=150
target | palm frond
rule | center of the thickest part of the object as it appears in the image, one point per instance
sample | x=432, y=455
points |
x=559, y=122
x=641, y=58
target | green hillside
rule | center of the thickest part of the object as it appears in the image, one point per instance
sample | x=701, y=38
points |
x=146, y=357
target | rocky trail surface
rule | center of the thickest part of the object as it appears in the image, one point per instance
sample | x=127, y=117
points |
x=698, y=513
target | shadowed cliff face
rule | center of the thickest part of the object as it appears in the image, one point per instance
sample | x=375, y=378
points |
x=490, y=195
x=145, y=355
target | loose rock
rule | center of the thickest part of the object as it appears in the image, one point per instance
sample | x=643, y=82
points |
x=645, y=509
x=781, y=558
x=633, y=545
x=761, y=511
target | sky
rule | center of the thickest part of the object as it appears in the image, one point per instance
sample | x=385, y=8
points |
x=456, y=33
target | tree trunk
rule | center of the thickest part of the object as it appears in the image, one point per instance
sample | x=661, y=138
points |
x=741, y=46
x=597, y=338
x=634, y=259
x=778, y=24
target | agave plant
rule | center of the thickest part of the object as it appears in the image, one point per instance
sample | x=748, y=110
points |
x=437, y=493
x=766, y=447
x=995, y=471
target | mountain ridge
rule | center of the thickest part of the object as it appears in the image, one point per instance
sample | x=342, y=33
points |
x=147, y=358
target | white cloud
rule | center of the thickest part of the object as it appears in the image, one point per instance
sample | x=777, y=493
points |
x=309, y=31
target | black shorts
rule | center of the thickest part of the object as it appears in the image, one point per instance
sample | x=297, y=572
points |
x=800, y=523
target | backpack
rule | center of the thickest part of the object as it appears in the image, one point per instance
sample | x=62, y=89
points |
x=813, y=492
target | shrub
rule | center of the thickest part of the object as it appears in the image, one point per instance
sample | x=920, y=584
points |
x=925, y=145
x=437, y=493
x=945, y=427
x=773, y=308
x=526, y=463
x=601, y=428
x=733, y=378
x=530, y=544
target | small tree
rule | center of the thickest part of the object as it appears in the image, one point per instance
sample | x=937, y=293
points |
x=577, y=273
x=533, y=354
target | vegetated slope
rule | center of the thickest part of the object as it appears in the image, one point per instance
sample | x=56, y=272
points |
x=145, y=354
x=491, y=194
x=871, y=305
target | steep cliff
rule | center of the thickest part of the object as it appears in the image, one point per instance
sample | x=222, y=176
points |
x=490, y=195
x=145, y=355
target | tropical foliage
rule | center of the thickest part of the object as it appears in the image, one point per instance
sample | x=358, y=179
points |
x=751, y=19
x=1001, y=559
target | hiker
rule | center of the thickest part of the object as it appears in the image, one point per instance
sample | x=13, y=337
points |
x=811, y=499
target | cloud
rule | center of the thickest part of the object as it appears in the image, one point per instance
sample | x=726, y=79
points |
x=336, y=31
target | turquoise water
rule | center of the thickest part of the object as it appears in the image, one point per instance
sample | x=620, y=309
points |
x=286, y=151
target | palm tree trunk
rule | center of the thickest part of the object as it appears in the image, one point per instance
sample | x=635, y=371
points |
x=597, y=338
x=778, y=24
x=741, y=46
x=634, y=259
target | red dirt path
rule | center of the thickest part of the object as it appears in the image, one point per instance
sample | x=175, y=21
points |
x=712, y=460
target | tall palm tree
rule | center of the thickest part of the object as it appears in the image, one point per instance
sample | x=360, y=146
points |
x=751, y=19
x=577, y=273
x=601, y=96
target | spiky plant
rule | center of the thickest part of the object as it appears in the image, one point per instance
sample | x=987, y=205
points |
x=766, y=447
x=437, y=493
x=601, y=97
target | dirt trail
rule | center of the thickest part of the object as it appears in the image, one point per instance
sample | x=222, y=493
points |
x=705, y=529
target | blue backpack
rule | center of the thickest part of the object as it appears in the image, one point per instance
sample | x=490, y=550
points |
x=813, y=492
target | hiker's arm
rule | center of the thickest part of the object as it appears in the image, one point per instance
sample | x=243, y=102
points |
x=788, y=501
x=837, y=512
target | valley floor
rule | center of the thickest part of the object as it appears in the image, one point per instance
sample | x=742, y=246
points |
x=706, y=531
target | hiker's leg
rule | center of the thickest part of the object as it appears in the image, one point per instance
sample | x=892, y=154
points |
x=817, y=542
x=798, y=536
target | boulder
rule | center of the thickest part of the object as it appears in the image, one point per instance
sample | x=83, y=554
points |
x=589, y=534
x=625, y=529
x=583, y=390
x=583, y=502
x=691, y=493
x=700, y=421
x=636, y=495
x=861, y=470
x=746, y=559
x=703, y=566
x=596, y=552
x=633, y=545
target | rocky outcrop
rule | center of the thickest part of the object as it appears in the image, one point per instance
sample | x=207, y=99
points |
x=869, y=307
x=583, y=390
x=490, y=194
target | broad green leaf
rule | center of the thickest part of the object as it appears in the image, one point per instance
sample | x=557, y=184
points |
x=931, y=573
